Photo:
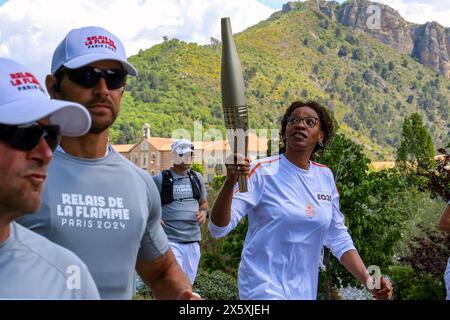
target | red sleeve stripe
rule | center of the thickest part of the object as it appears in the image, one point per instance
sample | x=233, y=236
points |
x=256, y=167
x=259, y=164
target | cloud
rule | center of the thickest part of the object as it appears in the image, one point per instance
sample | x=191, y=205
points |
x=30, y=30
x=421, y=11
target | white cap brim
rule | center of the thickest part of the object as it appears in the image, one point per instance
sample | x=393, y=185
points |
x=73, y=119
x=86, y=59
x=183, y=151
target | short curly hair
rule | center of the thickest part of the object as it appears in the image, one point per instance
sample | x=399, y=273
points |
x=326, y=123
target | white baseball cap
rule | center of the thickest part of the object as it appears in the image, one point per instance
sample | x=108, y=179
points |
x=182, y=146
x=86, y=45
x=23, y=100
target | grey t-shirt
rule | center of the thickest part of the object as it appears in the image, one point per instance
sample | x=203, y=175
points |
x=108, y=212
x=32, y=267
x=180, y=216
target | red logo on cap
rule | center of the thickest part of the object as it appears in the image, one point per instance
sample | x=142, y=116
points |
x=100, y=42
x=25, y=81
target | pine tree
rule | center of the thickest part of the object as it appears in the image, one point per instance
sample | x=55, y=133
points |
x=416, y=148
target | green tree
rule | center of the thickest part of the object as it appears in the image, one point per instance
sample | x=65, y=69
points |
x=366, y=200
x=357, y=54
x=439, y=177
x=343, y=51
x=416, y=148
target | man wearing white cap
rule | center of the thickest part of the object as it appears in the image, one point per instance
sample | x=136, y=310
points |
x=96, y=203
x=32, y=267
x=184, y=206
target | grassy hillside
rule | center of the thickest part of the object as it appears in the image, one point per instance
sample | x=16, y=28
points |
x=297, y=55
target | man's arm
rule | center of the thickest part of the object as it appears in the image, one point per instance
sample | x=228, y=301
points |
x=165, y=277
x=444, y=221
x=202, y=211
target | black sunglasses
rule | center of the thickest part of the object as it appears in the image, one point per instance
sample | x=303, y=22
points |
x=26, y=137
x=88, y=77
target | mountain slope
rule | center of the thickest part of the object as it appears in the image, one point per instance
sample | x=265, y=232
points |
x=429, y=43
x=299, y=54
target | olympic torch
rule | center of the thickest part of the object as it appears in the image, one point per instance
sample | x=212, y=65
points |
x=234, y=102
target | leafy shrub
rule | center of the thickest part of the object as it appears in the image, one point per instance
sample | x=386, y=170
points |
x=429, y=251
x=218, y=182
x=216, y=285
x=142, y=291
x=409, y=285
x=343, y=51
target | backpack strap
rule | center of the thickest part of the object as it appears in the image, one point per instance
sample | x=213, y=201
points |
x=195, y=183
x=167, y=187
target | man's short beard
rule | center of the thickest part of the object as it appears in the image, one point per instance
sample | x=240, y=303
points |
x=17, y=204
x=97, y=128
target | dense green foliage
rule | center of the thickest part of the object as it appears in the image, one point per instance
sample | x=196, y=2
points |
x=409, y=285
x=420, y=273
x=198, y=167
x=438, y=178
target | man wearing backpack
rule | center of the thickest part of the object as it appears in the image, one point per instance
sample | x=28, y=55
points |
x=184, y=206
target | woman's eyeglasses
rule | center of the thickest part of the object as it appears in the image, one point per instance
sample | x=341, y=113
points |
x=88, y=77
x=26, y=137
x=309, y=122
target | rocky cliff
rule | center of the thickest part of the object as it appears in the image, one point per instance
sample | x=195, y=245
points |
x=428, y=43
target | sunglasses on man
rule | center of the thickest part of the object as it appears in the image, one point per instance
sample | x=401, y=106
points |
x=88, y=77
x=26, y=137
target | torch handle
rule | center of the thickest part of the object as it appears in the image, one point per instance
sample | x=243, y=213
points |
x=242, y=181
